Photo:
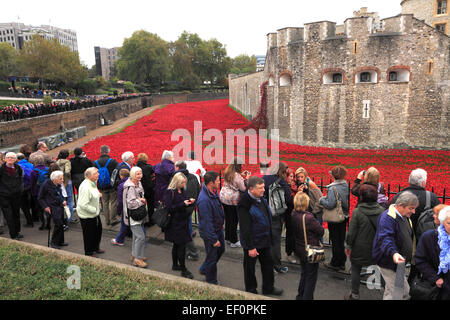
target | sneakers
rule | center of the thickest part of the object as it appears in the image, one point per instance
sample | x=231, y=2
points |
x=115, y=243
x=236, y=245
x=139, y=263
x=281, y=269
x=291, y=259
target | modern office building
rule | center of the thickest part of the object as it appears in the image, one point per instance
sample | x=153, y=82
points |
x=17, y=34
x=105, y=61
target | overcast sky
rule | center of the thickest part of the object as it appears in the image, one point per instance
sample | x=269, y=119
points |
x=241, y=25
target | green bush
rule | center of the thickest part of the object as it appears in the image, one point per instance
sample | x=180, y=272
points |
x=128, y=87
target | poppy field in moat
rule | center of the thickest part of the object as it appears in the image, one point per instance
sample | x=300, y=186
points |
x=152, y=135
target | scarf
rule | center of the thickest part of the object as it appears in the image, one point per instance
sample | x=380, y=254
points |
x=444, y=244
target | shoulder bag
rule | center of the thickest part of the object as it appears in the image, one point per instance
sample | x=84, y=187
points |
x=161, y=216
x=314, y=254
x=335, y=215
x=139, y=213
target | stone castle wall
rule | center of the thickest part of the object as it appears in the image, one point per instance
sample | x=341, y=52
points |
x=308, y=109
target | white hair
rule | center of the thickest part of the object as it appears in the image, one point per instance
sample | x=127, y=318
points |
x=407, y=198
x=418, y=177
x=444, y=214
x=56, y=175
x=90, y=171
x=127, y=155
x=166, y=155
x=133, y=172
x=10, y=154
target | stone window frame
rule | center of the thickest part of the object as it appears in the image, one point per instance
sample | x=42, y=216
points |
x=331, y=71
x=399, y=69
x=283, y=74
x=445, y=24
x=366, y=69
x=271, y=81
x=436, y=8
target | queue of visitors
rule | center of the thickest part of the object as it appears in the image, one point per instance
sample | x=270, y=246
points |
x=30, y=110
x=379, y=233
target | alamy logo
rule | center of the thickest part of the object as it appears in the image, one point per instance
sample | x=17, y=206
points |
x=74, y=281
x=257, y=152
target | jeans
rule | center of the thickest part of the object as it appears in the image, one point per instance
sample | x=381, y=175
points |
x=308, y=280
x=138, y=244
x=69, y=189
x=213, y=254
x=120, y=238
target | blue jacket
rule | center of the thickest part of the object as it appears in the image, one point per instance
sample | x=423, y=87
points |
x=388, y=239
x=27, y=168
x=255, y=225
x=210, y=214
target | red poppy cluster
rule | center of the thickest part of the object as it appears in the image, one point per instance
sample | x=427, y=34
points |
x=152, y=135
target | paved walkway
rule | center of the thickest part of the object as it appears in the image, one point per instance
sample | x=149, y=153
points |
x=330, y=285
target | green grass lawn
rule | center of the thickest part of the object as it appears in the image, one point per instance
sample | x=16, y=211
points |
x=4, y=103
x=30, y=274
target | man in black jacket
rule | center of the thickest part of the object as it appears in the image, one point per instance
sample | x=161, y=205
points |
x=11, y=187
x=255, y=220
x=109, y=194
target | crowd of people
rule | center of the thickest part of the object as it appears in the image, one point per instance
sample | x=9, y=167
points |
x=38, y=93
x=411, y=231
x=30, y=110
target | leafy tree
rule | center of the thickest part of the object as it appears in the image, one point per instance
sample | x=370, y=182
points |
x=101, y=82
x=129, y=87
x=8, y=60
x=243, y=64
x=51, y=61
x=143, y=58
x=216, y=63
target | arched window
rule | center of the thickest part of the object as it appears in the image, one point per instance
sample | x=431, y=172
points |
x=337, y=78
x=393, y=76
x=285, y=80
x=365, y=77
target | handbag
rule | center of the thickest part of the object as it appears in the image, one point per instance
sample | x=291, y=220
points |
x=137, y=214
x=161, y=215
x=67, y=212
x=314, y=254
x=423, y=290
x=335, y=215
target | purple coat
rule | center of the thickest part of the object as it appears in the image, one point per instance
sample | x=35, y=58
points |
x=163, y=173
x=120, y=197
x=178, y=229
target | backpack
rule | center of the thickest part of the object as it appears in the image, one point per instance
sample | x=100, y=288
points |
x=104, y=180
x=277, y=202
x=383, y=200
x=43, y=176
x=26, y=175
x=426, y=220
